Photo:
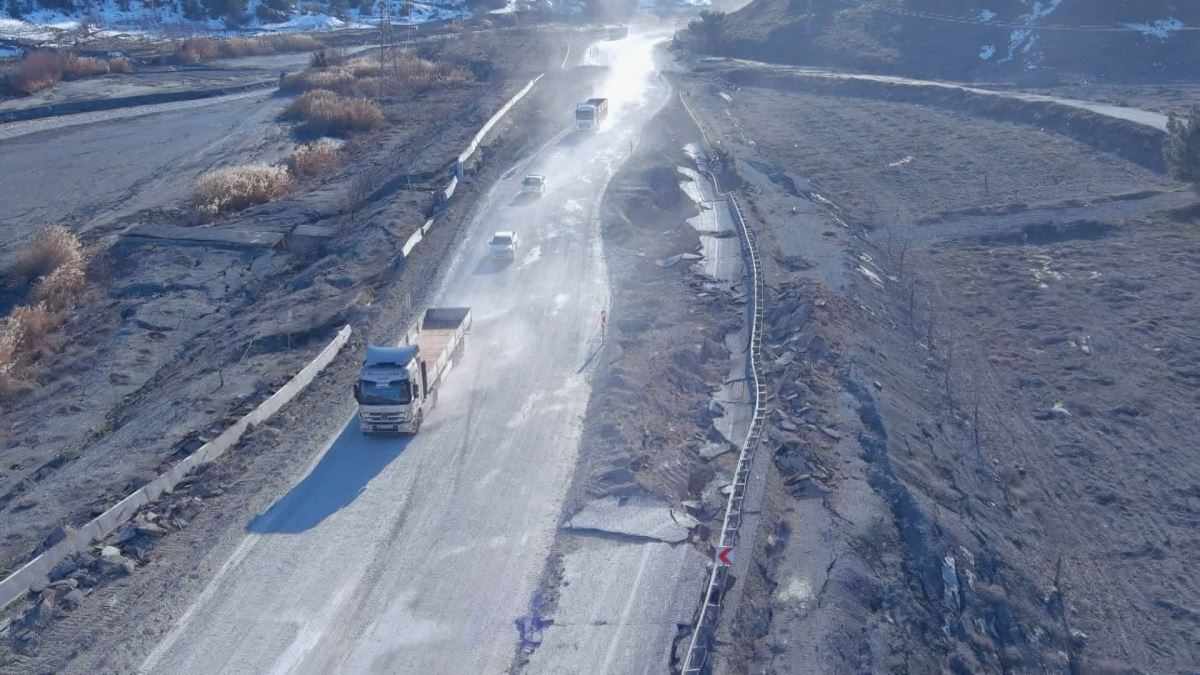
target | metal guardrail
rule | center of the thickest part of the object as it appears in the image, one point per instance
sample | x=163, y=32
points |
x=701, y=646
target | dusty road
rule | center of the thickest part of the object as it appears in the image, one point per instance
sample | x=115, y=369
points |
x=418, y=555
x=1147, y=118
x=114, y=164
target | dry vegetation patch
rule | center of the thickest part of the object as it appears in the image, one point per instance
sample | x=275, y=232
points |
x=360, y=76
x=324, y=112
x=195, y=50
x=314, y=159
x=43, y=69
x=55, y=264
x=238, y=187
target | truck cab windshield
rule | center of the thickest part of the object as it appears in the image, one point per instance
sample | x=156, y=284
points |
x=397, y=392
x=585, y=114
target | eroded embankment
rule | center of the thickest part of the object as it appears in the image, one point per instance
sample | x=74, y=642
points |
x=976, y=410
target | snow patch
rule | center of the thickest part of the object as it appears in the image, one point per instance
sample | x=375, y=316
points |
x=986, y=15
x=143, y=17
x=534, y=255
x=1040, y=10
x=309, y=23
x=1020, y=39
x=1160, y=29
x=986, y=52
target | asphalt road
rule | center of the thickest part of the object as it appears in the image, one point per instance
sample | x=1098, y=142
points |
x=113, y=164
x=398, y=555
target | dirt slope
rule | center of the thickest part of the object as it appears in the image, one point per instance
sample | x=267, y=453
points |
x=983, y=438
x=953, y=38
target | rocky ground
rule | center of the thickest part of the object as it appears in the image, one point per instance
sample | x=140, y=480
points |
x=185, y=325
x=984, y=364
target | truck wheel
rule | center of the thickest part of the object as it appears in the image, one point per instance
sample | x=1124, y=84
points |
x=417, y=421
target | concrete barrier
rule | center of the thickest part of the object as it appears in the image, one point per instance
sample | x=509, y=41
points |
x=36, y=570
x=466, y=154
x=412, y=242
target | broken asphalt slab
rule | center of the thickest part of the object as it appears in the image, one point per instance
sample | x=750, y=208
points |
x=633, y=517
x=621, y=607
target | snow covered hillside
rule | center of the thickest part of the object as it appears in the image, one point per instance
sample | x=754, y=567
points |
x=42, y=20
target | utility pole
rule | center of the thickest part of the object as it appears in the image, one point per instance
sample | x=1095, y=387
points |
x=385, y=41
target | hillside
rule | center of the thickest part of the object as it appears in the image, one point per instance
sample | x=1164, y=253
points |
x=1112, y=39
x=40, y=19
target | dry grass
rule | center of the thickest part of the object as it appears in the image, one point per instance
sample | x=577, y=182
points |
x=26, y=336
x=238, y=187
x=40, y=70
x=56, y=260
x=55, y=247
x=59, y=289
x=360, y=76
x=79, y=67
x=333, y=79
x=415, y=71
x=314, y=159
x=324, y=112
x=195, y=50
x=28, y=332
x=43, y=69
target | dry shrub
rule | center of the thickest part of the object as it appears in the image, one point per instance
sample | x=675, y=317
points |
x=314, y=159
x=324, y=112
x=415, y=71
x=238, y=187
x=55, y=247
x=120, y=64
x=37, y=71
x=28, y=331
x=360, y=76
x=294, y=43
x=364, y=67
x=333, y=79
x=79, y=67
x=27, y=334
x=195, y=50
x=59, y=289
x=366, y=88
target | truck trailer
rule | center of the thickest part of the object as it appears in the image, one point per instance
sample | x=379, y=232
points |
x=399, y=385
x=590, y=115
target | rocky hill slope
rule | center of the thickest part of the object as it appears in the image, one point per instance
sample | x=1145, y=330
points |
x=1109, y=39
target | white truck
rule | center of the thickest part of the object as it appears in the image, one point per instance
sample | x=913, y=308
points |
x=590, y=115
x=398, y=385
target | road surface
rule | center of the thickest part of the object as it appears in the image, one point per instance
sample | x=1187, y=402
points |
x=112, y=170
x=1137, y=115
x=417, y=556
